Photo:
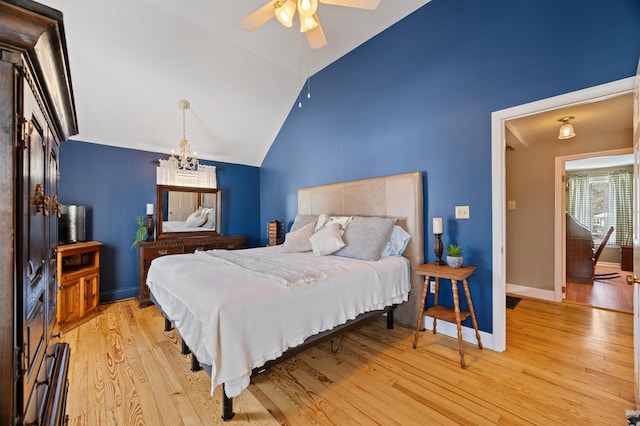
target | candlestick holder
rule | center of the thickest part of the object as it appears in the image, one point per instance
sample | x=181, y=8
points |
x=150, y=227
x=437, y=249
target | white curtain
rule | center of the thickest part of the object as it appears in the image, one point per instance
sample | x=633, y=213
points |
x=204, y=177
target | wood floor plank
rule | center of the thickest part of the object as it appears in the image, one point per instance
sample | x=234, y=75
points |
x=564, y=364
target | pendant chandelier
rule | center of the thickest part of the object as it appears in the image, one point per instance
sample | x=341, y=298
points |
x=184, y=161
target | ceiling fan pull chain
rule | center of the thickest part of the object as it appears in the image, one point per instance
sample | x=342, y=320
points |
x=300, y=68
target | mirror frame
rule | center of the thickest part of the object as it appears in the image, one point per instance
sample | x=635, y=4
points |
x=161, y=189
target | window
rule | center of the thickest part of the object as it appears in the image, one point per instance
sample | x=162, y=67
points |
x=601, y=200
x=601, y=216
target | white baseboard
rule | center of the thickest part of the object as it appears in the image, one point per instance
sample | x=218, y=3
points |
x=468, y=333
x=537, y=293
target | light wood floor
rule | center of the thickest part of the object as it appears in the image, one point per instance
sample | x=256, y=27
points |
x=612, y=293
x=564, y=364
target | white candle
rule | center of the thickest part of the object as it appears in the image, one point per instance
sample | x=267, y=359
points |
x=437, y=225
x=149, y=208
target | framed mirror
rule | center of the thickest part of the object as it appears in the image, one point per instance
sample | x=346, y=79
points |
x=184, y=211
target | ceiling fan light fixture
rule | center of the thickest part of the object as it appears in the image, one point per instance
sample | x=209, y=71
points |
x=285, y=13
x=566, y=130
x=307, y=7
x=307, y=23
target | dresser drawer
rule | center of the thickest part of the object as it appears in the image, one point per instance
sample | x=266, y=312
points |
x=153, y=252
x=231, y=243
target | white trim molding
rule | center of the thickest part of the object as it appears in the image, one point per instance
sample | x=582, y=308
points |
x=498, y=193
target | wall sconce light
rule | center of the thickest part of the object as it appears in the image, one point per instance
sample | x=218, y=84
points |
x=566, y=130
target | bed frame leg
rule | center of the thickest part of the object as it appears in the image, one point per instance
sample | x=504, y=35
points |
x=390, y=318
x=195, y=364
x=227, y=406
x=185, y=349
x=167, y=324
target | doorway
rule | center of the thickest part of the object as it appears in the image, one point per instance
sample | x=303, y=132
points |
x=499, y=196
x=598, y=205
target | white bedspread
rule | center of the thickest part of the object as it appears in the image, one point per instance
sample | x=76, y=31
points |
x=180, y=226
x=235, y=320
x=288, y=274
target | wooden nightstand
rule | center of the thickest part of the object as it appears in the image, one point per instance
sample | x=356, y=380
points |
x=437, y=311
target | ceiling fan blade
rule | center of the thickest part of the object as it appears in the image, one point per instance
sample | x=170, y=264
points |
x=360, y=4
x=258, y=17
x=316, y=37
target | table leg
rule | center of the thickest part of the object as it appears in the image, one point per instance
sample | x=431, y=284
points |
x=435, y=301
x=465, y=284
x=425, y=286
x=456, y=307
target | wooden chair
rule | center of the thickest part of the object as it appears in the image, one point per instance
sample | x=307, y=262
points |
x=597, y=254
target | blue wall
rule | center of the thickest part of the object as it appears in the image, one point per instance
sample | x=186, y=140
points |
x=419, y=97
x=117, y=183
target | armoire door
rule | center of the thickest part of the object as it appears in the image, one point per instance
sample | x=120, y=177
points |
x=35, y=206
x=52, y=176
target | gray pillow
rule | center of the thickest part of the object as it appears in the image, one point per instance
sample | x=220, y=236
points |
x=303, y=219
x=298, y=241
x=366, y=237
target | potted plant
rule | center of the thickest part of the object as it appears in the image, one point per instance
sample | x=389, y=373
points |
x=454, y=255
x=141, y=233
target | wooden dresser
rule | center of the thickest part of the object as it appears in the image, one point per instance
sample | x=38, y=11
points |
x=152, y=249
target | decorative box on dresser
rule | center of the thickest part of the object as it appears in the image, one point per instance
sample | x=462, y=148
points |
x=275, y=232
x=37, y=113
x=162, y=247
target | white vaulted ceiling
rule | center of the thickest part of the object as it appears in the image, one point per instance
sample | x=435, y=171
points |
x=132, y=60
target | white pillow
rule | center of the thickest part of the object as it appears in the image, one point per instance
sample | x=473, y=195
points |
x=397, y=243
x=211, y=218
x=196, y=219
x=328, y=240
x=325, y=219
x=298, y=241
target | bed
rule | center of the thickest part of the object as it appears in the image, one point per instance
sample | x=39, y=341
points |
x=252, y=319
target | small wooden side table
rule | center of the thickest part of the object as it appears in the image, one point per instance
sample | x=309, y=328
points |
x=454, y=314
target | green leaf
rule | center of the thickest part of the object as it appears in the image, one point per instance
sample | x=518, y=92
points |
x=141, y=233
x=454, y=249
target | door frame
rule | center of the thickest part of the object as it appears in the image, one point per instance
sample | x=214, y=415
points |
x=498, y=203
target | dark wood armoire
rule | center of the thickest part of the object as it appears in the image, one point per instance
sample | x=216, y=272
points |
x=37, y=113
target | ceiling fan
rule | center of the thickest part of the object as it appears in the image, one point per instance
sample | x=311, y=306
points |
x=284, y=11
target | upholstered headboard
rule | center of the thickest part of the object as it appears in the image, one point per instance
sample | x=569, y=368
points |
x=397, y=196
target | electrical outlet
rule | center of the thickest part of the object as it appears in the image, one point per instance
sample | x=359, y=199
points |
x=432, y=286
x=462, y=212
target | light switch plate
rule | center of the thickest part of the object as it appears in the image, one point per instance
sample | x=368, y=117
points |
x=462, y=212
